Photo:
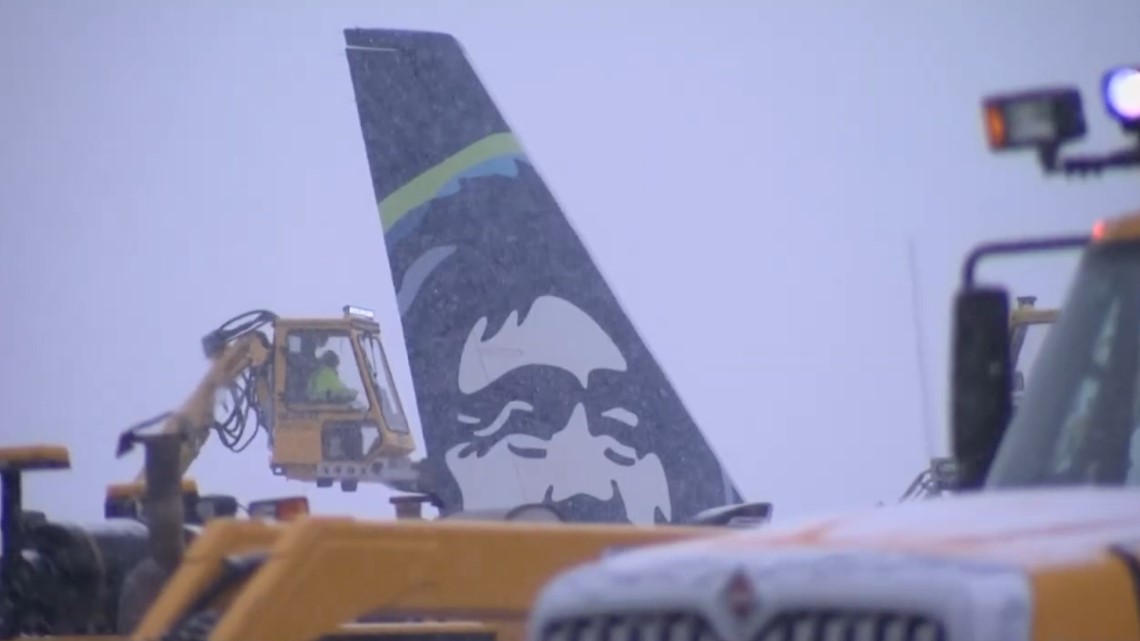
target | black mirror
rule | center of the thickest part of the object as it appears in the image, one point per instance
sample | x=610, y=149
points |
x=981, y=381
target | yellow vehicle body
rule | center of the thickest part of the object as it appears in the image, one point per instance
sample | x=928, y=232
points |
x=421, y=631
x=321, y=574
x=1010, y=566
x=201, y=567
x=134, y=491
x=417, y=631
x=34, y=457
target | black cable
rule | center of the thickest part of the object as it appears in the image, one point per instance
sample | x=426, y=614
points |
x=232, y=430
x=215, y=342
x=249, y=321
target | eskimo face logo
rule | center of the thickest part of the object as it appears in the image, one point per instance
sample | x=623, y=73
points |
x=539, y=422
x=532, y=385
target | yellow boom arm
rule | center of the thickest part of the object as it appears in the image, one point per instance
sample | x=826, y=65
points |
x=195, y=419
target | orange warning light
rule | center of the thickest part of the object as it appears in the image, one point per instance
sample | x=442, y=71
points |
x=995, y=126
x=1098, y=230
x=286, y=509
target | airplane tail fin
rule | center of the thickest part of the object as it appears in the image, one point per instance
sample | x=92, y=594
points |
x=532, y=383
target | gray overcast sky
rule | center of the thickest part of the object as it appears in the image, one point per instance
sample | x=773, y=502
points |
x=746, y=174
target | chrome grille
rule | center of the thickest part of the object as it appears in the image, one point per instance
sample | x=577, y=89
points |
x=787, y=625
x=821, y=625
x=655, y=626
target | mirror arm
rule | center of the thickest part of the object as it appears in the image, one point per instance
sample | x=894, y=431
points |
x=985, y=250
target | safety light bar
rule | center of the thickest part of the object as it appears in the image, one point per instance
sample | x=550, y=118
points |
x=1121, y=90
x=285, y=509
x=353, y=310
x=1042, y=118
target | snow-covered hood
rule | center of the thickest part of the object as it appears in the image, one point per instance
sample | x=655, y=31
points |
x=1028, y=528
x=968, y=562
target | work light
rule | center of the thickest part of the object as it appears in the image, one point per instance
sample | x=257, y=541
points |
x=1121, y=89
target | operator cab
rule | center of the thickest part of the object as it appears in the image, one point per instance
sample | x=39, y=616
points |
x=1079, y=422
x=341, y=418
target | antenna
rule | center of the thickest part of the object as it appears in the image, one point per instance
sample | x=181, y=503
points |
x=920, y=352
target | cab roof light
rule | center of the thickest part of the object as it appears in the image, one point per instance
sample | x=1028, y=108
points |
x=286, y=509
x=1120, y=87
x=362, y=312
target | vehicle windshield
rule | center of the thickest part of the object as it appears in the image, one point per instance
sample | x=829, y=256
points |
x=386, y=390
x=322, y=369
x=1077, y=423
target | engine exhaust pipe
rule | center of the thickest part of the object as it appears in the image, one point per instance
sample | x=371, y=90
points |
x=165, y=520
x=162, y=500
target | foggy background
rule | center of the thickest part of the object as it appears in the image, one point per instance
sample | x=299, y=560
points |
x=747, y=175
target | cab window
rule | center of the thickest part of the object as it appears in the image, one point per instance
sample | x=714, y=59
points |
x=321, y=369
